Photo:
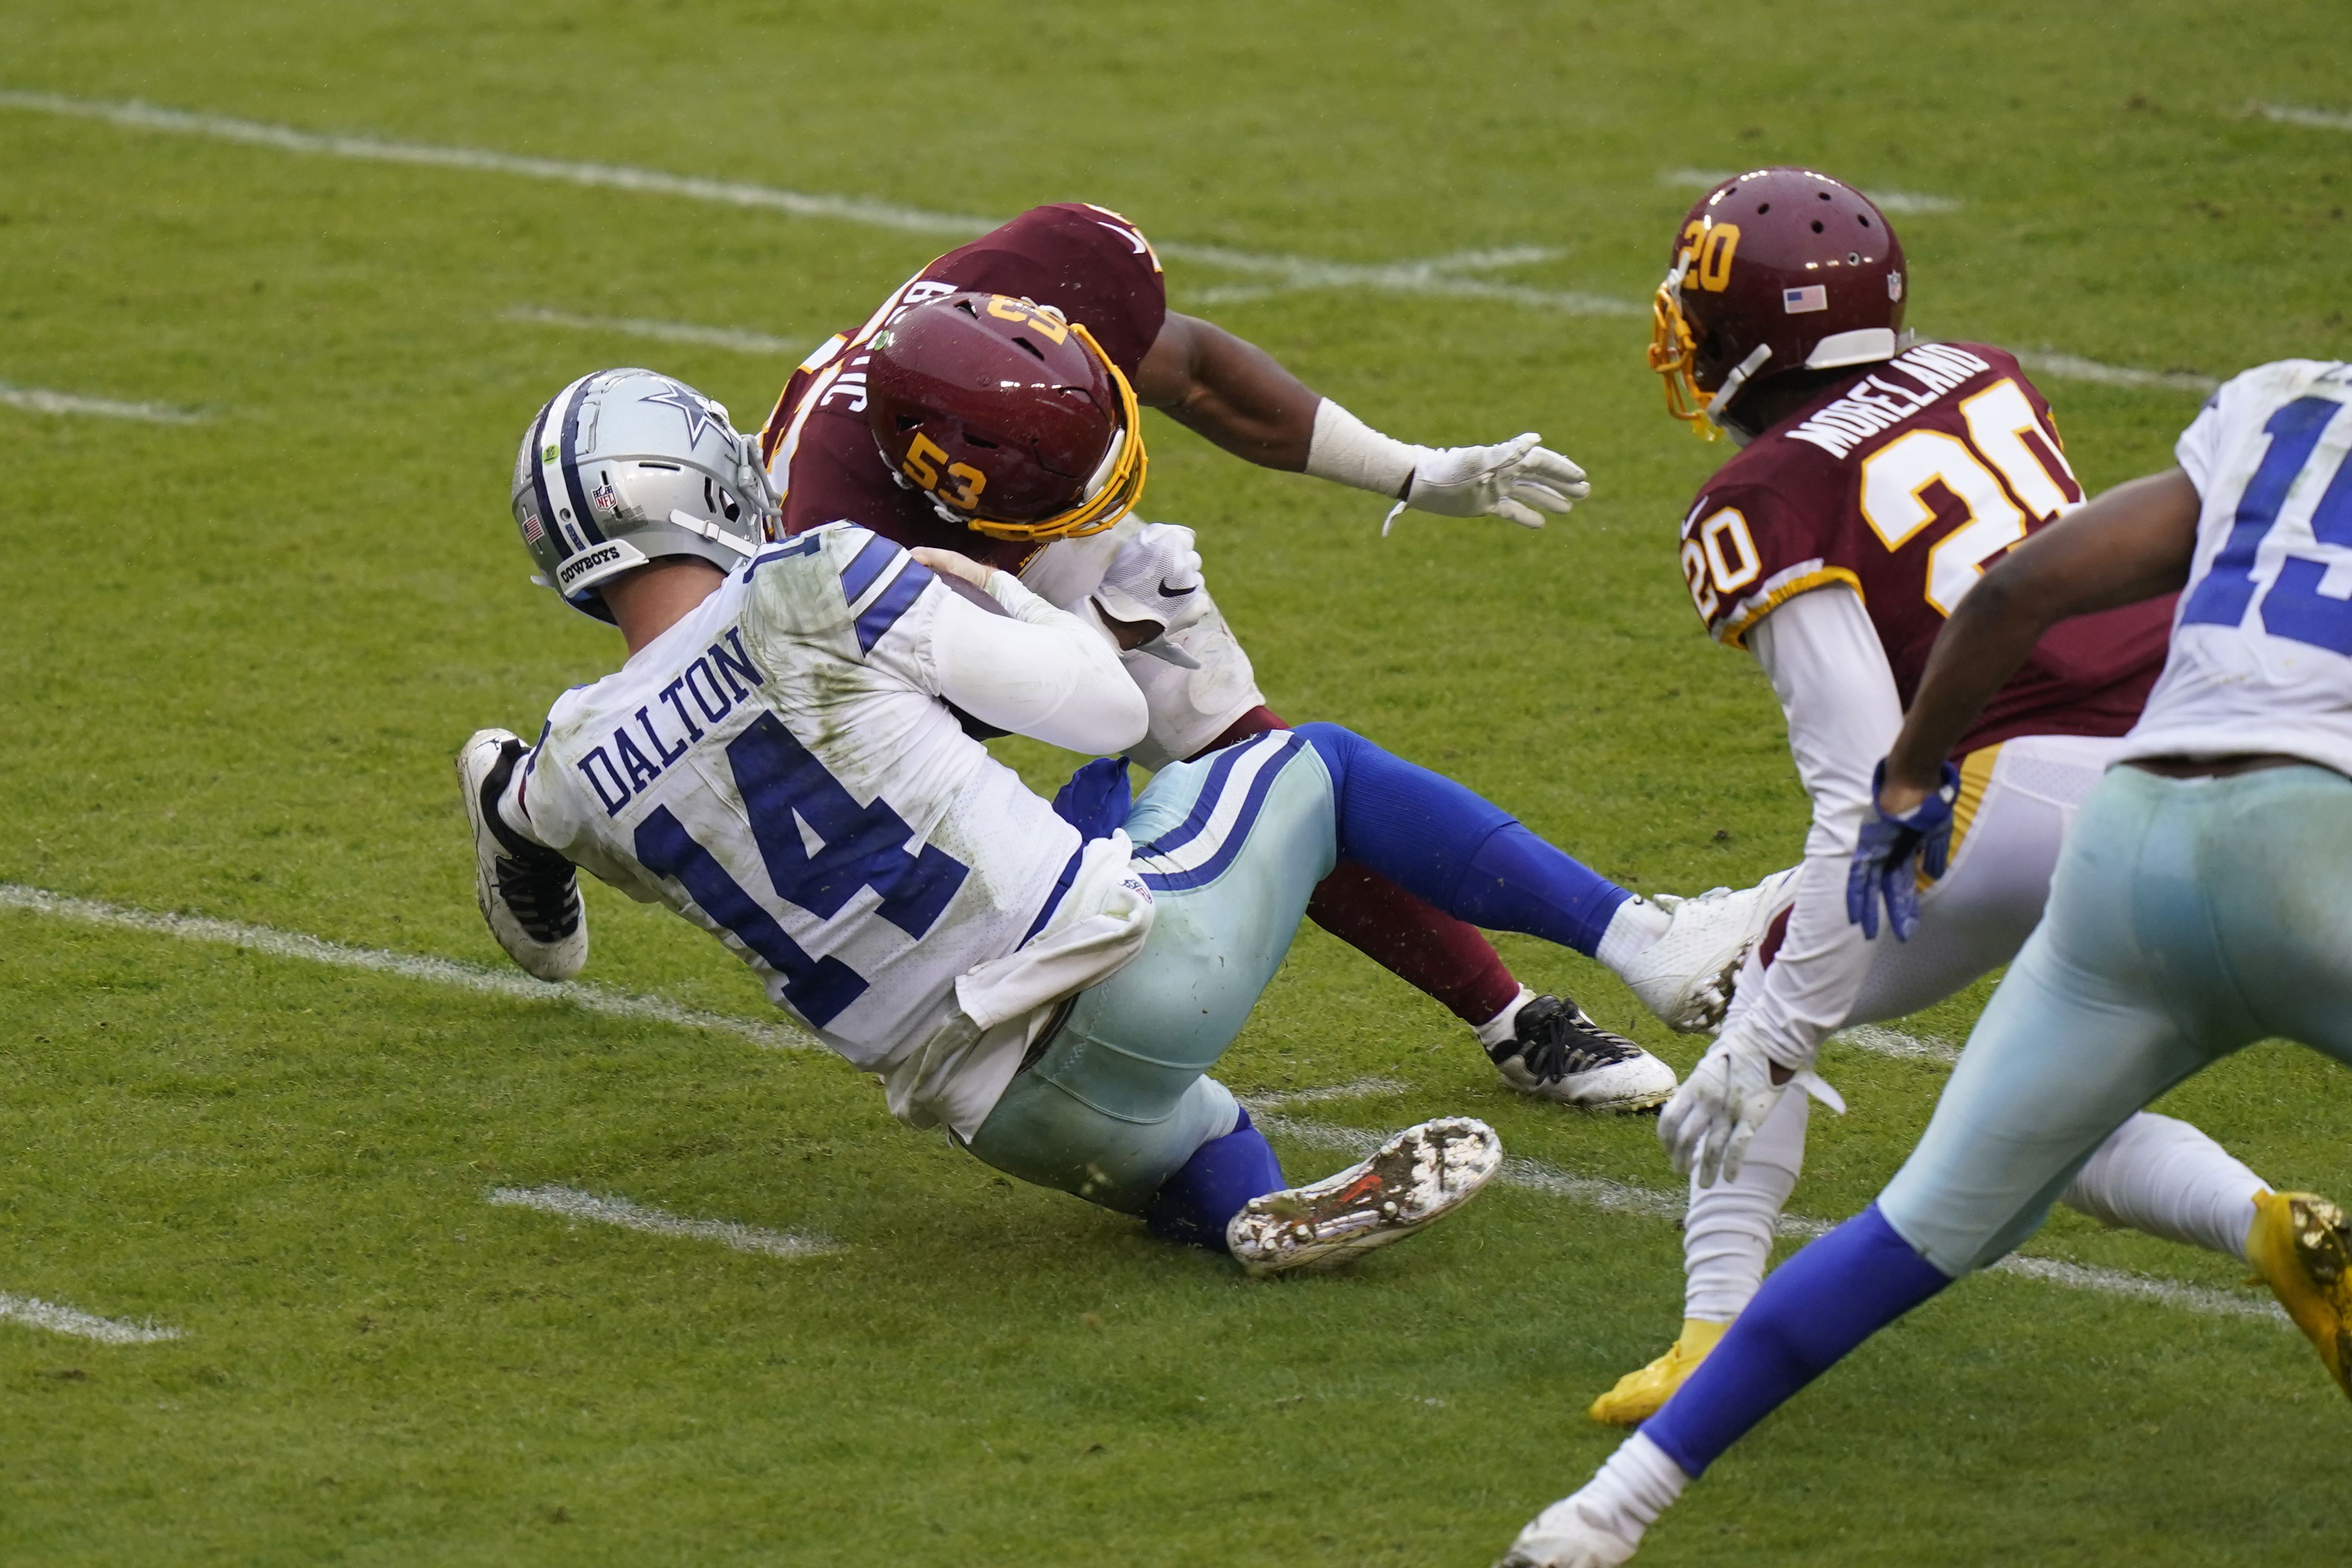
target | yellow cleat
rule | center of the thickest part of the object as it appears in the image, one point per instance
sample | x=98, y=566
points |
x=2302, y=1250
x=1638, y=1394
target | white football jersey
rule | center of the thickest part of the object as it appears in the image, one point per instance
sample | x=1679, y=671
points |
x=778, y=768
x=2262, y=642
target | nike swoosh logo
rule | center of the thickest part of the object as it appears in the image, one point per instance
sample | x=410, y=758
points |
x=1168, y=593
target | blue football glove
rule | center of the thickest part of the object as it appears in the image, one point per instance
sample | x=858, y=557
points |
x=1883, y=857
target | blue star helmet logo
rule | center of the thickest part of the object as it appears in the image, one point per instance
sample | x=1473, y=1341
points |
x=697, y=416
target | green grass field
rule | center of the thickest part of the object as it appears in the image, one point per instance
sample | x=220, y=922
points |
x=240, y=651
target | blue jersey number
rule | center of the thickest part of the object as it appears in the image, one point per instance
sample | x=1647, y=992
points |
x=861, y=846
x=2293, y=608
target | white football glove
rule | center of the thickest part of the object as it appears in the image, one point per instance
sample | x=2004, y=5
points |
x=1517, y=481
x=1709, y=1123
x=1156, y=578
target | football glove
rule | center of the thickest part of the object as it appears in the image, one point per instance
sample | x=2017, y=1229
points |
x=1708, y=1124
x=1885, y=854
x=1517, y=481
x=1156, y=578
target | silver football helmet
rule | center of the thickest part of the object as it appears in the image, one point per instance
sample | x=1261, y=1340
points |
x=624, y=466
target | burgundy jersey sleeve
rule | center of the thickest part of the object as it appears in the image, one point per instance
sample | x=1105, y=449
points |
x=1089, y=262
x=1904, y=485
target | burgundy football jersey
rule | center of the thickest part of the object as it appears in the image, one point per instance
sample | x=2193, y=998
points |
x=1088, y=261
x=1905, y=484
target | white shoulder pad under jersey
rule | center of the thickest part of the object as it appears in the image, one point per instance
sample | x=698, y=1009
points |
x=779, y=769
x=2261, y=644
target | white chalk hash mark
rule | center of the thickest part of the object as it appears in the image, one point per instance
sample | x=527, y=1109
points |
x=2073, y=367
x=36, y=1313
x=411, y=966
x=1620, y=1197
x=1895, y=1044
x=2320, y=119
x=40, y=400
x=1273, y=1100
x=570, y=1203
x=735, y=339
x=1440, y=277
x=1891, y=201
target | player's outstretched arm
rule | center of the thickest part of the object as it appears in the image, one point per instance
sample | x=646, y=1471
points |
x=1034, y=671
x=1239, y=396
x=2134, y=542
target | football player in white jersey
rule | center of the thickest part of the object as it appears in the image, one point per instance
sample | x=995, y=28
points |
x=784, y=761
x=2199, y=906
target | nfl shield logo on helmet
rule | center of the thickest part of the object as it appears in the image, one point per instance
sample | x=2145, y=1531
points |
x=603, y=496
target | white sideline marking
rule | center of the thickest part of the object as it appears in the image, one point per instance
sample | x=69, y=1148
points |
x=36, y=1313
x=1892, y=1043
x=2072, y=367
x=40, y=400
x=573, y=1204
x=2288, y=114
x=1287, y=272
x=745, y=343
x=1619, y=1197
x=411, y=966
x=1892, y=201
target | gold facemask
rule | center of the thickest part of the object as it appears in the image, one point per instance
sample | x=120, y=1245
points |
x=1673, y=351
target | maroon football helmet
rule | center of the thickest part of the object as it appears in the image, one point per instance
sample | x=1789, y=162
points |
x=1007, y=415
x=1773, y=271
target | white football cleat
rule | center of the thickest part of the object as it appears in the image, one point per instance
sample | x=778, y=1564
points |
x=529, y=895
x=1686, y=977
x=1562, y=1537
x=1557, y=1053
x=1418, y=1177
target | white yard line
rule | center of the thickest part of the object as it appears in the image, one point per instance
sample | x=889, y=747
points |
x=1273, y=1100
x=2320, y=119
x=2073, y=367
x=1892, y=1043
x=734, y=338
x=570, y=1203
x=410, y=966
x=1893, y=201
x=1619, y=1197
x=36, y=1313
x=1442, y=276
x=40, y=400
x=1526, y=1174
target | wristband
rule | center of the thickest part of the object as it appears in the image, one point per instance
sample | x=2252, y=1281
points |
x=1347, y=451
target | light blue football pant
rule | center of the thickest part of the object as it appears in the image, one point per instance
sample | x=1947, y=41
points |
x=2187, y=918
x=1120, y=1099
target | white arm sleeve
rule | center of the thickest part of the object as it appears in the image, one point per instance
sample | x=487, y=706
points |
x=1037, y=671
x=1830, y=672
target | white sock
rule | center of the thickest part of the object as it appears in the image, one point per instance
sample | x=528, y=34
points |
x=1727, y=1231
x=1637, y=1484
x=1503, y=1027
x=2166, y=1178
x=1636, y=924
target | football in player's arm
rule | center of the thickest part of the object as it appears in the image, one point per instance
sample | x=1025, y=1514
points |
x=785, y=761
x=2199, y=907
x=991, y=404
x=1876, y=480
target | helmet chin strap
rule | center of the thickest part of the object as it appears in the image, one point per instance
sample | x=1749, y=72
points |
x=1721, y=401
x=713, y=532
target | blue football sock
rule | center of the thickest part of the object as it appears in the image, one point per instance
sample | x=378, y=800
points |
x=1815, y=1307
x=1458, y=850
x=1197, y=1202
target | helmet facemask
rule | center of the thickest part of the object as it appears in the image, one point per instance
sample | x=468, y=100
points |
x=1113, y=488
x=1673, y=351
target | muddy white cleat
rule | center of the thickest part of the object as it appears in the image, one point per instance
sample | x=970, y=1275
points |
x=1557, y=1052
x=1686, y=977
x=1562, y=1536
x=529, y=895
x=1418, y=1177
